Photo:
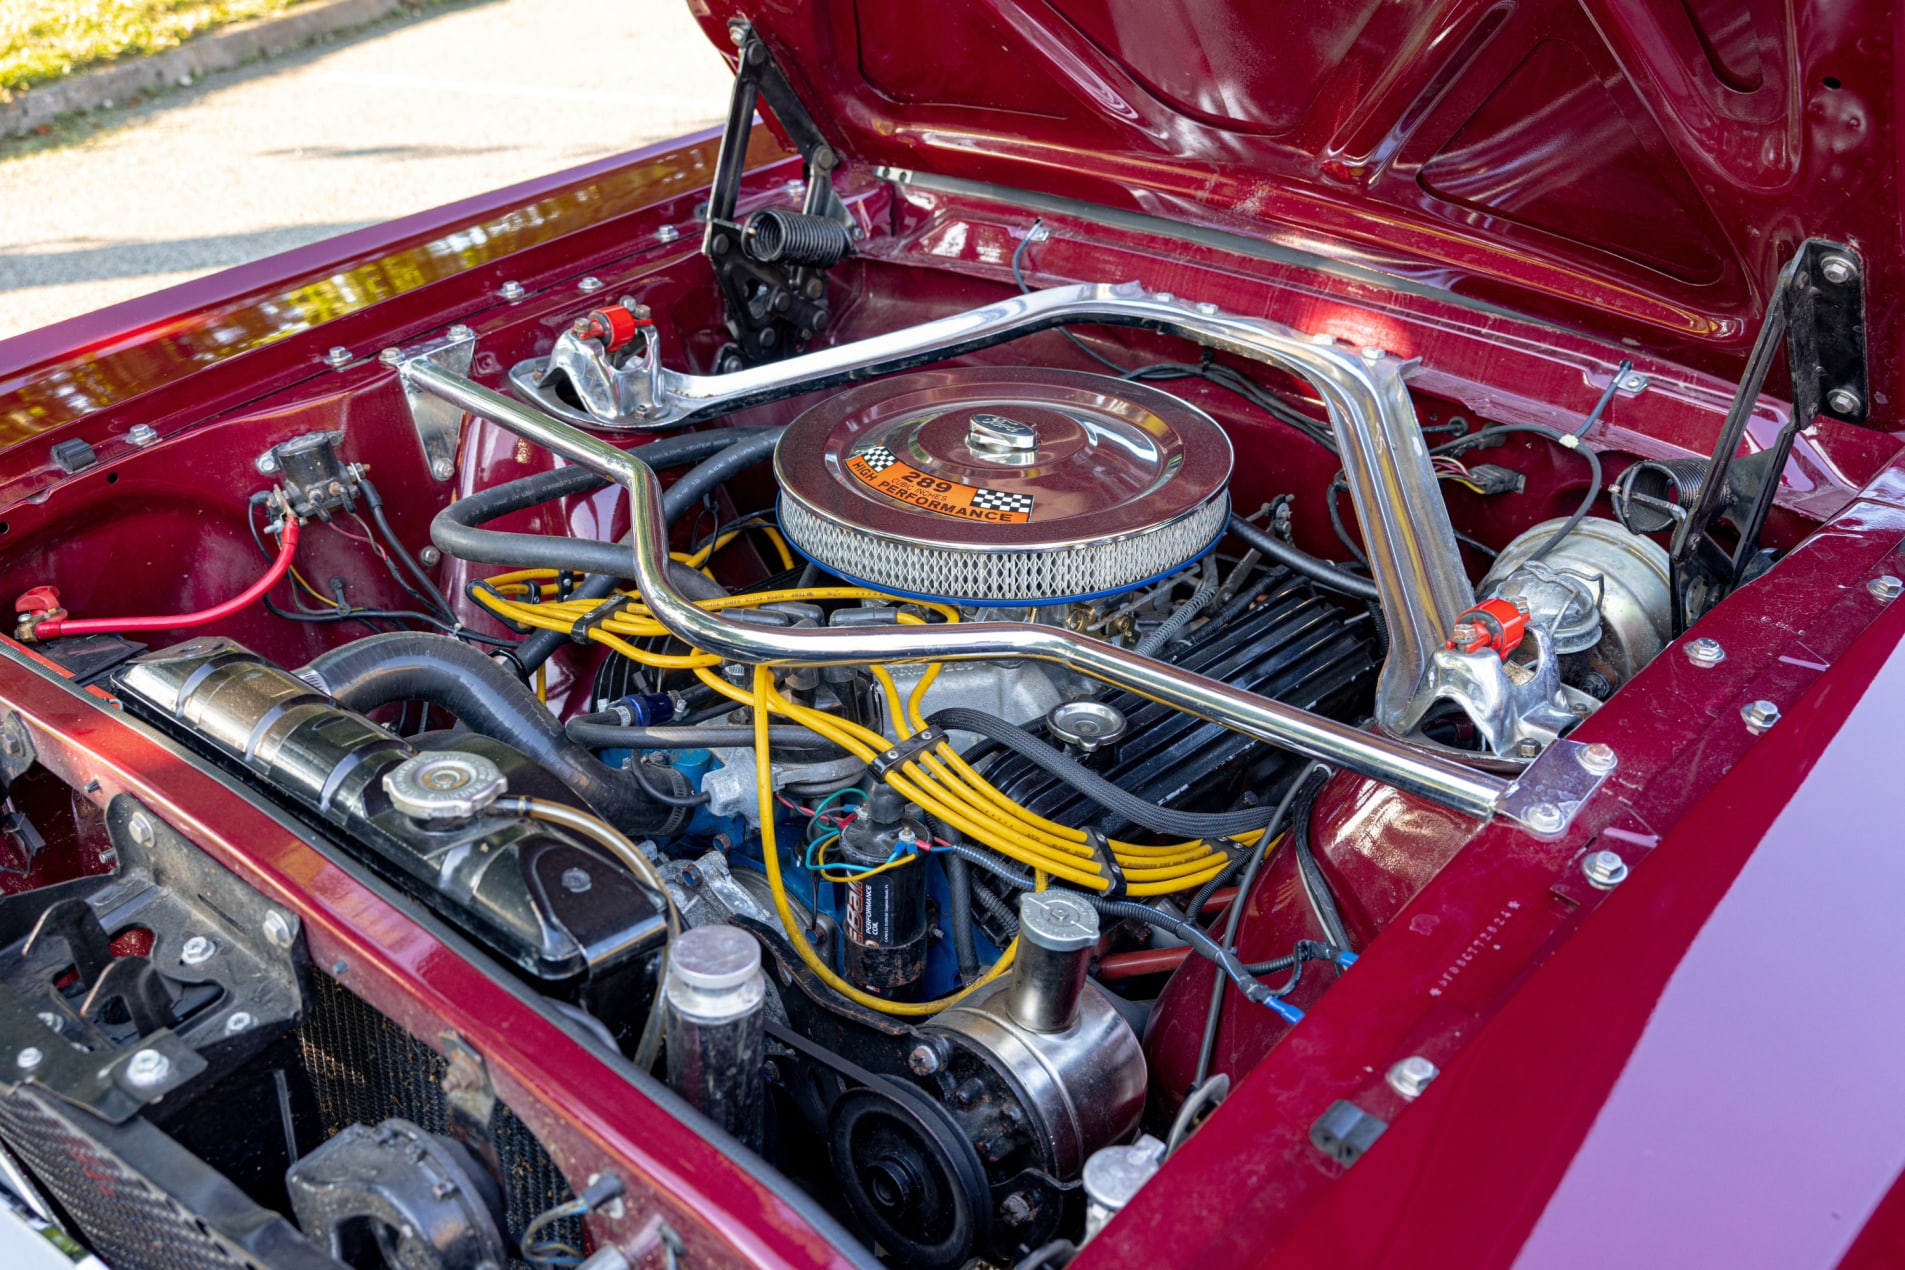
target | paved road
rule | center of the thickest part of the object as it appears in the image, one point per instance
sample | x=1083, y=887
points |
x=397, y=119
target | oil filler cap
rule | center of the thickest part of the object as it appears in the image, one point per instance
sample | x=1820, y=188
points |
x=444, y=785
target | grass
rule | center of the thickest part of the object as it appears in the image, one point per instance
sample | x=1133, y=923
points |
x=45, y=40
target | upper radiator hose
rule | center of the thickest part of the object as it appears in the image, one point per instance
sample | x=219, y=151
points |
x=407, y=666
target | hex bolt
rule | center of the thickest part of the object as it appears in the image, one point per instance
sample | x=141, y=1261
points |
x=430, y=556
x=238, y=1022
x=1016, y=1210
x=443, y=469
x=10, y=744
x=1412, y=1075
x=667, y=234
x=147, y=1068
x=1838, y=270
x=266, y=463
x=1163, y=297
x=1207, y=309
x=390, y=356
x=29, y=1058
x=142, y=434
x=196, y=951
x=1705, y=652
x=1759, y=715
x=591, y=283
x=1885, y=587
x=1463, y=633
x=1322, y=337
x=338, y=358
x=1527, y=747
x=514, y=291
x=277, y=929
x=1598, y=758
x=1843, y=401
x=1546, y=818
x=924, y=1060
x=1373, y=354
x=1604, y=870
x=139, y=828
x=461, y=332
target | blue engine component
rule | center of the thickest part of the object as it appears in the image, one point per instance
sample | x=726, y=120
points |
x=703, y=828
x=798, y=847
x=642, y=709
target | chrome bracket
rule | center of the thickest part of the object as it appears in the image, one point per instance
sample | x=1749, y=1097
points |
x=1550, y=790
x=612, y=396
x=439, y=424
x=1511, y=704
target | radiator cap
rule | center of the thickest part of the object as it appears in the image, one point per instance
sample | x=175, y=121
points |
x=444, y=785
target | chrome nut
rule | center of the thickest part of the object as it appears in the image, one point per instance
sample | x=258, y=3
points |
x=1705, y=652
x=1604, y=870
x=1759, y=715
x=1412, y=1075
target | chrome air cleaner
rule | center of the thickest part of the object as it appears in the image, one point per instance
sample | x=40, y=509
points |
x=1003, y=486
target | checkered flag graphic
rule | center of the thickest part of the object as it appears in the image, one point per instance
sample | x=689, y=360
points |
x=1002, y=501
x=877, y=457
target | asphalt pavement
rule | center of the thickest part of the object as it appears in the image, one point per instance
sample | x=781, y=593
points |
x=398, y=118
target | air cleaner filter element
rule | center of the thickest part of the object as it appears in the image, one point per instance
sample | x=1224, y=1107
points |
x=1003, y=486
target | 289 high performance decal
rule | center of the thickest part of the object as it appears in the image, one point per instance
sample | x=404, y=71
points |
x=879, y=468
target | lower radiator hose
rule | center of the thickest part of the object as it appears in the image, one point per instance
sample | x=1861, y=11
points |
x=445, y=672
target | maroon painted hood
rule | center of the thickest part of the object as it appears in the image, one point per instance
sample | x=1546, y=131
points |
x=1640, y=168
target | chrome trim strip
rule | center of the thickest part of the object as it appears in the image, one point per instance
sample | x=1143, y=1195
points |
x=1348, y=384
x=1411, y=544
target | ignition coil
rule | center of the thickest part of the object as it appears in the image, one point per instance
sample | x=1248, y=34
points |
x=883, y=921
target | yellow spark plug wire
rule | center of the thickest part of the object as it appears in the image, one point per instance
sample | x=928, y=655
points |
x=936, y=779
x=770, y=854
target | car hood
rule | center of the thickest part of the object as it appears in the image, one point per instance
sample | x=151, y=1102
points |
x=1637, y=168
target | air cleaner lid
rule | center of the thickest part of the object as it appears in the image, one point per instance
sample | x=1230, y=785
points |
x=895, y=481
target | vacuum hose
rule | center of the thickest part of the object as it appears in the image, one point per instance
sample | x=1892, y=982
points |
x=718, y=455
